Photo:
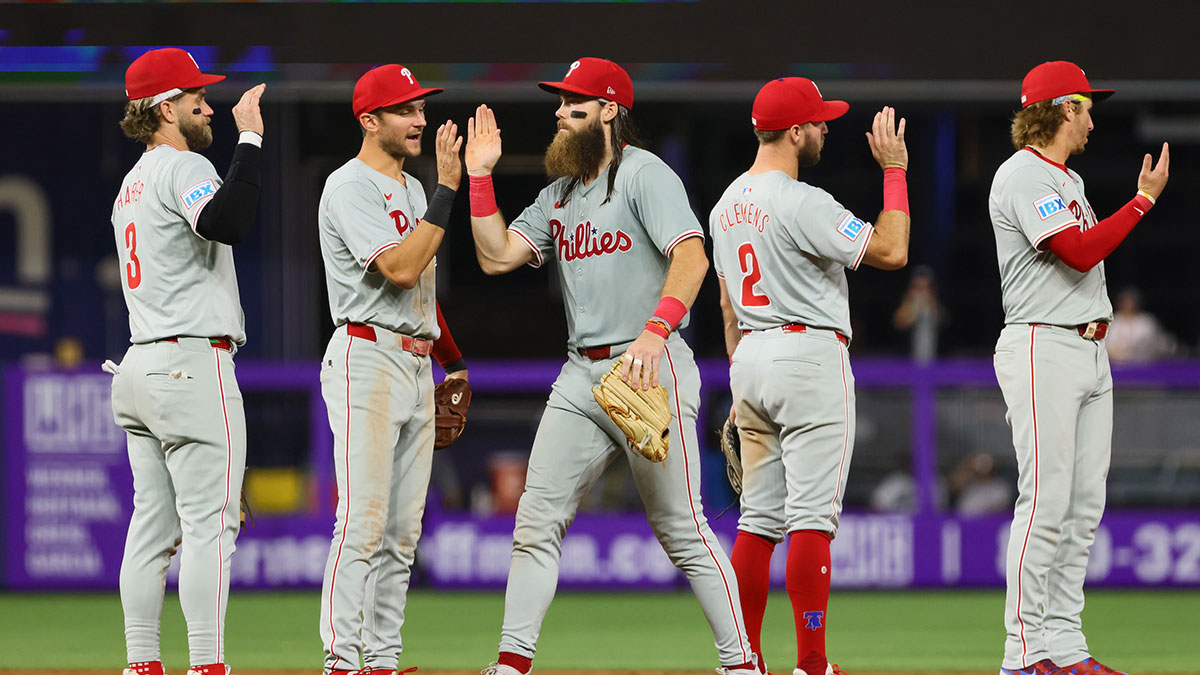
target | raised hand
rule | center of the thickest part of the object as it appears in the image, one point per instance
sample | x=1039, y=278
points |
x=1152, y=181
x=887, y=140
x=246, y=113
x=483, y=142
x=447, y=144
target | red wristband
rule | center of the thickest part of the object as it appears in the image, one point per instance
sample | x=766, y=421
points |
x=671, y=310
x=483, y=196
x=895, y=190
x=658, y=329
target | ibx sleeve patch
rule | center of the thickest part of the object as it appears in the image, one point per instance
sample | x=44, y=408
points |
x=851, y=227
x=1049, y=205
x=198, y=193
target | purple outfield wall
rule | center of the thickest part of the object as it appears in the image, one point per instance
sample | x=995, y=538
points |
x=68, y=495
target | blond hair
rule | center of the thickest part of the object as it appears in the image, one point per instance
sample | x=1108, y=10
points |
x=1038, y=124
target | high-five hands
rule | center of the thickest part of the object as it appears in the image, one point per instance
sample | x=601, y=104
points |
x=483, y=142
x=887, y=140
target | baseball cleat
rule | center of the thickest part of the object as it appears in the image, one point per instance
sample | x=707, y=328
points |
x=1088, y=666
x=211, y=669
x=144, y=668
x=1043, y=667
x=497, y=669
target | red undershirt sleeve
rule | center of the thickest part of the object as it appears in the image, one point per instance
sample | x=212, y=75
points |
x=445, y=350
x=1082, y=250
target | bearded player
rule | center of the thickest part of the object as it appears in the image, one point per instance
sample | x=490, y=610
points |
x=630, y=256
x=781, y=248
x=175, y=393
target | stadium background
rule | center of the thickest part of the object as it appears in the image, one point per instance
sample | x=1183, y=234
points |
x=953, y=69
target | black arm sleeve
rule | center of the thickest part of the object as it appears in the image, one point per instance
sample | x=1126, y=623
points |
x=438, y=211
x=228, y=217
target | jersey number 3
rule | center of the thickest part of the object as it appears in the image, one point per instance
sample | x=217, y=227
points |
x=751, y=276
x=133, y=268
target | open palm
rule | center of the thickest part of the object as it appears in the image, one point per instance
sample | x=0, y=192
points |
x=483, y=142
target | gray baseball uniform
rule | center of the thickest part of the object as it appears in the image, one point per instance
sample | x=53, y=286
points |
x=178, y=401
x=1058, y=388
x=782, y=247
x=612, y=262
x=378, y=389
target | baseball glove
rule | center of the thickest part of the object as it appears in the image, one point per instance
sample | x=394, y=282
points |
x=643, y=416
x=451, y=399
x=731, y=445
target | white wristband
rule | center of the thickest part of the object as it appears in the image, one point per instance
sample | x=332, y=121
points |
x=252, y=137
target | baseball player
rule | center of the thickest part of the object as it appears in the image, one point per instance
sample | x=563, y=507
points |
x=175, y=392
x=1051, y=362
x=630, y=257
x=781, y=248
x=378, y=239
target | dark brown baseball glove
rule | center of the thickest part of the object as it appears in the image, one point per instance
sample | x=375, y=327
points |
x=451, y=399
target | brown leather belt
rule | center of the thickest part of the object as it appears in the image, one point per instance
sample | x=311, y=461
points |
x=801, y=328
x=418, y=346
x=217, y=343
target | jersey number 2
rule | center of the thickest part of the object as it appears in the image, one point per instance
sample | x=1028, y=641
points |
x=752, y=276
x=133, y=268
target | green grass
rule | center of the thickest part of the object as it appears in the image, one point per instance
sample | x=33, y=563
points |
x=925, y=632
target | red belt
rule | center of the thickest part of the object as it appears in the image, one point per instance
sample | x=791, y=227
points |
x=217, y=343
x=596, y=353
x=418, y=346
x=1097, y=329
x=801, y=328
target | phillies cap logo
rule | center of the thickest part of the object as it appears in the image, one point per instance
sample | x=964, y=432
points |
x=571, y=69
x=407, y=73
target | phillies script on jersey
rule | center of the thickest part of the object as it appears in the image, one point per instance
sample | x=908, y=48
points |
x=586, y=241
x=744, y=213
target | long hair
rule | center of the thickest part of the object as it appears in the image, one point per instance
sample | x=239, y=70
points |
x=1038, y=124
x=143, y=117
x=623, y=133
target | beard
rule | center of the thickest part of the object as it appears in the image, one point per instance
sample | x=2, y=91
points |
x=575, y=154
x=809, y=154
x=197, y=135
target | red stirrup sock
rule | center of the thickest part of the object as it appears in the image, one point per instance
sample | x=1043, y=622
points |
x=522, y=663
x=751, y=559
x=808, y=588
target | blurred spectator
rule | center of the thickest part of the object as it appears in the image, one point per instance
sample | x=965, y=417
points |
x=920, y=313
x=1135, y=335
x=977, y=489
x=897, y=492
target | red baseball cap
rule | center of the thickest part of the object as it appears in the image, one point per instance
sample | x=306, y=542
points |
x=1057, y=78
x=787, y=101
x=600, y=78
x=387, y=85
x=160, y=71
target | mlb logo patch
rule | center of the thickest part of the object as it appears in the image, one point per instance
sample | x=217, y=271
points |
x=198, y=192
x=1049, y=205
x=746, y=191
x=851, y=227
